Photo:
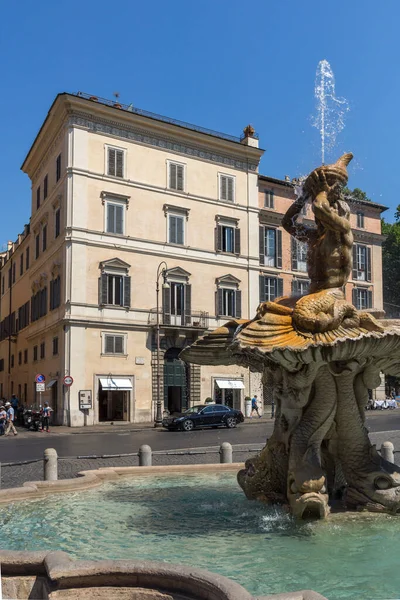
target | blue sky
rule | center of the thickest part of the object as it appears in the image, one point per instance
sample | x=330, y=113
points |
x=216, y=63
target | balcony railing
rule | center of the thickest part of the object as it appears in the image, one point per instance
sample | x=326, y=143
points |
x=196, y=319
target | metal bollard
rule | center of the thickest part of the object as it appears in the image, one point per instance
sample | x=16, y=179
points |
x=387, y=451
x=50, y=466
x=225, y=453
x=145, y=455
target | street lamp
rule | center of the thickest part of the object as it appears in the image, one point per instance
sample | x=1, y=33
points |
x=161, y=270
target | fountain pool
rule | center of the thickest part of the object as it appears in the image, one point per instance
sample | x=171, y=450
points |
x=204, y=520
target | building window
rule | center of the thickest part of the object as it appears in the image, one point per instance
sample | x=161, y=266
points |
x=115, y=290
x=176, y=229
x=37, y=246
x=269, y=199
x=44, y=238
x=229, y=303
x=55, y=346
x=176, y=176
x=361, y=263
x=14, y=269
x=39, y=304
x=9, y=277
x=362, y=298
x=20, y=358
x=57, y=222
x=270, y=288
x=115, y=162
x=2, y=365
x=300, y=287
x=360, y=220
x=115, y=217
x=21, y=264
x=25, y=357
x=114, y=344
x=38, y=197
x=55, y=293
x=271, y=247
x=23, y=316
x=227, y=188
x=227, y=239
x=45, y=186
x=42, y=350
x=27, y=259
x=12, y=361
x=58, y=167
x=2, y=285
x=35, y=353
x=299, y=255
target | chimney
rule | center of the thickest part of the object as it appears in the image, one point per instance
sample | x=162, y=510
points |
x=249, y=137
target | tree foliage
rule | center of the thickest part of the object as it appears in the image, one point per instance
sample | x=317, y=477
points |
x=356, y=194
x=391, y=265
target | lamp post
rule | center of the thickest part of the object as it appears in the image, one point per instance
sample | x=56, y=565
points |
x=161, y=270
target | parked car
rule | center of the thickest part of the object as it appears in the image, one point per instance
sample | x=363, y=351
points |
x=204, y=415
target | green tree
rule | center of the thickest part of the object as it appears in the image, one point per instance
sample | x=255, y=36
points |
x=391, y=264
x=356, y=194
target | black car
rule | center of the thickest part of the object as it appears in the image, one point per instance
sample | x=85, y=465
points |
x=204, y=415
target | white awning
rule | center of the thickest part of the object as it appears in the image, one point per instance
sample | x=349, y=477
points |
x=115, y=383
x=231, y=384
x=51, y=383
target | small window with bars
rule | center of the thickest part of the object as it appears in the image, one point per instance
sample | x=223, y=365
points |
x=227, y=188
x=176, y=176
x=115, y=213
x=269, y=199
x=115, y=162
x=114, y=344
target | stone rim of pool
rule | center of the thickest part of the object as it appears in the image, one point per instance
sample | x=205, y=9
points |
x=57, y=572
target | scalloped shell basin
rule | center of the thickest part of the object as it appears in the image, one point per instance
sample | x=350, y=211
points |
x=204, y=520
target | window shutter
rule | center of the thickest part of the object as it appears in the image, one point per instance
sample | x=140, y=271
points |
x=295, y=287
x=294, y=254
x=368, y=265
x=111, y=161
x=279, y=287
x=111, y=218
x=166, y=305
x=278, y=249
x=354, y=297
x=109, y=344
x=219, y=303
x=223, y=188
x=120, y=163
x=179, y=177
x=127, y=292
x=103, y=289
x=179, y=230
x=369, y=299
x=262, y=244
x=188, y=304
x=261, y=280
x=238, y=304
x=119, y=219
x=237, y=241
x=230, y=196
x=172, y=176
x=271, y=199
x=218, y=238
x=118, y=344
x=172, y=230
x=354, y=262
x=51, y=294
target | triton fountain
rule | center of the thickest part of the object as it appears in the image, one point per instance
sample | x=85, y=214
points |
x=322, y=356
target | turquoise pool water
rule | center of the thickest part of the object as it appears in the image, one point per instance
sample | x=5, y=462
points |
x=205, y=521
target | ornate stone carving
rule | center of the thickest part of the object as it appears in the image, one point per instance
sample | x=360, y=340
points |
x=323, y=355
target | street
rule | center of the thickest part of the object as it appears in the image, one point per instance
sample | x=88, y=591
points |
x=384, y=425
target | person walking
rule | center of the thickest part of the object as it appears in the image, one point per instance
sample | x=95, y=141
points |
x=3, y=419
x=10, y=420
x=254, y=406
x=46, y=416
x=14, y=403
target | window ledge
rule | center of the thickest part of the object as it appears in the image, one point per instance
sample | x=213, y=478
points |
x=108, y=354
x=115, y=306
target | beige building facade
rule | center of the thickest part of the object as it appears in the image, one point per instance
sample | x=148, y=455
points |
x=124, y=201
x=114, y=194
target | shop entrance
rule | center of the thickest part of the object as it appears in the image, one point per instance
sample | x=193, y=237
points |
x=175, y=382
x=229, y=392
x=114, y=398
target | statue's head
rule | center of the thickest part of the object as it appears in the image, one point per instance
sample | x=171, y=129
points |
x=336, y=174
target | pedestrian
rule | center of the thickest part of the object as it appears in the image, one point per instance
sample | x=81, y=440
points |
x=10, y=420
x=3, y=419
x=14, y=403
x=46, y=416
x=254, y=406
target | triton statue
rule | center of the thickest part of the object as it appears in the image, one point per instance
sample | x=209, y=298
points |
x=322, y=356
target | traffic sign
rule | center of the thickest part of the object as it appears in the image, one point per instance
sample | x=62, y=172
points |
x=40, y=378
x=68, y=380
x=40, y=387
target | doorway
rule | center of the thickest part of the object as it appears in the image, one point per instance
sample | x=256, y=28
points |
x=175, y=382
x=114, y=398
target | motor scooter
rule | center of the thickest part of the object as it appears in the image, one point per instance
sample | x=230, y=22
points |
x=32, y=419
